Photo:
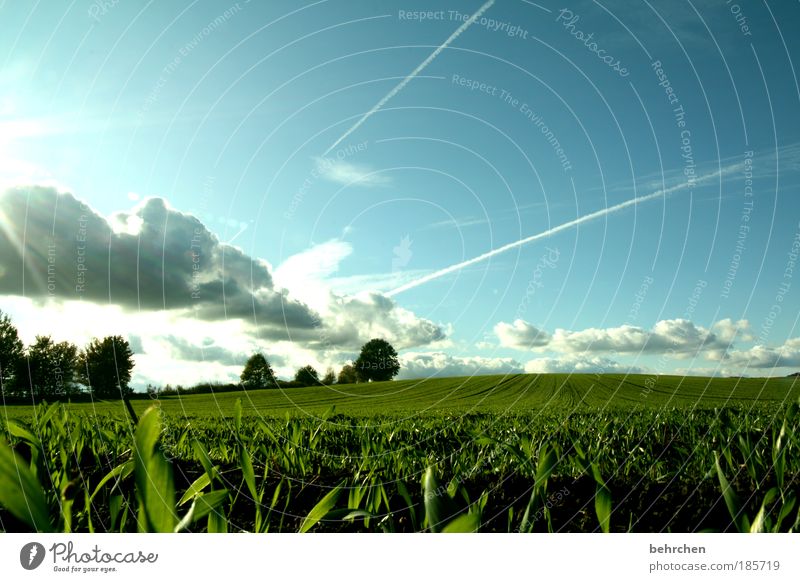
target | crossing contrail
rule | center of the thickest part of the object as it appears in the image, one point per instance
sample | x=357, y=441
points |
x=413, y=74
x=557, y=229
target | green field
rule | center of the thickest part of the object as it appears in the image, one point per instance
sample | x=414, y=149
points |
x=494, y=453
x=497, y=394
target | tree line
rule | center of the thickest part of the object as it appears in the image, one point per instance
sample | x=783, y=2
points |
x=51, y=369
x=104, y=367
x=377, y=362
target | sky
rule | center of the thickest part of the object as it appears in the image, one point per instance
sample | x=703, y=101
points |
x=493, y=187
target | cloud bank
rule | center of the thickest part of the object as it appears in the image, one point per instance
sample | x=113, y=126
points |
x=424, y=365
x=154, y=259
x=574, y=363
x=679, y=338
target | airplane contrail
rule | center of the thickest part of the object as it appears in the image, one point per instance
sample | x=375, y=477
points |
x=556, y=229
x=413, y=74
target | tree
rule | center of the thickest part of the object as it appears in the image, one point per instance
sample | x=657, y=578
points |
x=347, y=375
x=11, y=351
x=50, y=367
x=258, y=373
x=377, y=362
x=307, y=376
x=330, y=377
x=105, y=366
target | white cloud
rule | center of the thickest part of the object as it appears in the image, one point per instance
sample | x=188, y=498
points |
x=168, y=347
x=144, y=290
x=520, y=335
x=305, y=273
x=678, y=337
x=155, y=258
x=729, y=331
x=149, y=369
x=760, y=356
x=573, y=363
x=352, y=321
x=318, y=262
x=426, y=364
x=349, y=174
x=311, y=274
x=349, y=319
x=706, y=371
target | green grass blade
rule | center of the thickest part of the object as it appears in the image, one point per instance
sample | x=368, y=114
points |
x=402, y=490
x=21, y=493
x=439, y=506
x=758, y=522
x=546, y=466
x=217, y=523
x=120, y=472
x=786, y=509
x=602, y=506
x=465, y=523
x=526, y=525
x=195, y=488
x=246, y=464
x=237, y=416
x=202, y=506
x=154, y=479
x=201, y=454
x=321, y=509
x=22, y=431
x=732, y=500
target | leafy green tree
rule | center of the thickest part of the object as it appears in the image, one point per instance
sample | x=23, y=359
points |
x=105, y=366
x=50, y=367
x=258, y=373
x=11, y=351
x=377, y=362
x=347, y=375
x=329, y=378
x=307, y=376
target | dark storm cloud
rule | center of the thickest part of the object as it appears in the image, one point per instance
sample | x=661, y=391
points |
x=154, y=258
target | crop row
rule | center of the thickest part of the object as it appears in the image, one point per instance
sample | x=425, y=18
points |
x=652, y=470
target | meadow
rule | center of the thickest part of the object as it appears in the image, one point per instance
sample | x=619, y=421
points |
x=517, y=453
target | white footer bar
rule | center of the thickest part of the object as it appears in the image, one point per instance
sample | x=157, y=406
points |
x=332, y=557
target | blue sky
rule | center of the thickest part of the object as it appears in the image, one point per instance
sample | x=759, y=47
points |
x=218, y=117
